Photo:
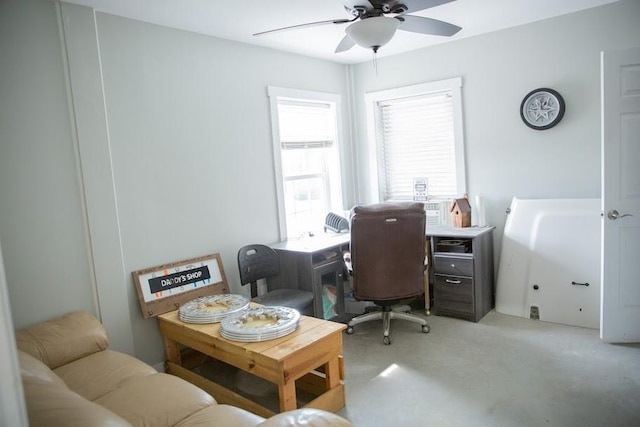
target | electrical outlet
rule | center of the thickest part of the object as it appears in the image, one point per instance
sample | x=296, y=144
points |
x=534, y=312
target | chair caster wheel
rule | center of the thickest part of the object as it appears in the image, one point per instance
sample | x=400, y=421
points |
x=349, y=330
x=426, y=329
x=386, y=340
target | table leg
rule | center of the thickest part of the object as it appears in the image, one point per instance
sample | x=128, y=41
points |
x=172, y=351
x=332, y=373
x=287, y=394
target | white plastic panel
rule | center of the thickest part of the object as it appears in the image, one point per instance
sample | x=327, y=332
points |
x=550, y=250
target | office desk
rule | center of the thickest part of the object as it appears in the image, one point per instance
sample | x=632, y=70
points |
x=315, y=264
x=463, y=283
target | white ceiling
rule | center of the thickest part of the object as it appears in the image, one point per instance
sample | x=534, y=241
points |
x=239, y=20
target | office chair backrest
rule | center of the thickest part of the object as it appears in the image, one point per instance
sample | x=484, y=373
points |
x=257, y=262
x=387, y=251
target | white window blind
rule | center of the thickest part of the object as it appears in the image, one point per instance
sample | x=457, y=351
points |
x=305, y=135
x=418, y=141
x=305, y=124
x=307, y=164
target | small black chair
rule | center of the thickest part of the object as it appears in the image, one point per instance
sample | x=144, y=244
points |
x=262, y=262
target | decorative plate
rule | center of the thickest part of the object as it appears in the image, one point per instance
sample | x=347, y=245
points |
x=542, y=109
x=260, y=321
x=212, y=308
x=258, y=337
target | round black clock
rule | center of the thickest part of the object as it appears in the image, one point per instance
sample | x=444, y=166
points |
x=542, y=109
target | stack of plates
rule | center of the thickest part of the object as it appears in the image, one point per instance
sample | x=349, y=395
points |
x=212, y=308
x=260, y=324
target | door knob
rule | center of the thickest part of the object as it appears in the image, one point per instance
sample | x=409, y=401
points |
x=613, y=214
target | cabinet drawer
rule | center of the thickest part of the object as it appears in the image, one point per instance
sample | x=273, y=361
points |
x=457, y=266
x=453, y=294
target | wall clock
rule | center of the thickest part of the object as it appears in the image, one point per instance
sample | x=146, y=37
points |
x=542, y=109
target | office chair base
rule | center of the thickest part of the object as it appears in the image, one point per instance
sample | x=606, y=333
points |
x=386, y=315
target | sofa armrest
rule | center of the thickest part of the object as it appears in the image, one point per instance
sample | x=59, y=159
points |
x=63, y=340
x=306, y=417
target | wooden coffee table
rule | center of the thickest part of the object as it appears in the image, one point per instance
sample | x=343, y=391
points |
x=309, y=360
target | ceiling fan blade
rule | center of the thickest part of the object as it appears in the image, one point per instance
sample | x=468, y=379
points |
x=346, y=44
x=310, y=24
x=419, y=24
x=416, y=5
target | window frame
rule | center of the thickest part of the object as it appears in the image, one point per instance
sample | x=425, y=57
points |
x=375, y=142
x=275, y=93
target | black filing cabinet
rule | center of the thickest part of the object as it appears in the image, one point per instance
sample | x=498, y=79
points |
x=463, y=279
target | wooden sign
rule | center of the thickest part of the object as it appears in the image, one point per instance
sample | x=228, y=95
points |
x=165, y=287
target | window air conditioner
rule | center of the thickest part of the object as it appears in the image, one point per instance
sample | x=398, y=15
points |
x=437, y=212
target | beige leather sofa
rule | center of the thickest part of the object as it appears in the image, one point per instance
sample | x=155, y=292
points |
x=71, y=378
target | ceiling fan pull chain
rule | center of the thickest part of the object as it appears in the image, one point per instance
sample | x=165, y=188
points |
x=375, y=61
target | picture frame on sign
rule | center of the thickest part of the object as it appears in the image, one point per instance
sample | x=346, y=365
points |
x=164, y=288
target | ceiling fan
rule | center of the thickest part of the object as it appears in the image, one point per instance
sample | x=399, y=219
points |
x=374, y=22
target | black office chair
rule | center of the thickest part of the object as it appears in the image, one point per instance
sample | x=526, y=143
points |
x=387, y=256
x=261, y=262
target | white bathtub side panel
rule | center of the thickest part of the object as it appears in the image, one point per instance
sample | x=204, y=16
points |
x=549, y=243
x=567, y=249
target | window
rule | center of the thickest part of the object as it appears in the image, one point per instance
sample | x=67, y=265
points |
x=417, y=132
x=307, y=161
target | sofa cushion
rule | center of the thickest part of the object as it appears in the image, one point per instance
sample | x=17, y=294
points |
x=156, y=400
x=62, y=407
x=221, y=416
x=100, y=373
x=50, y=403
x=33, y=370
x=63, y=340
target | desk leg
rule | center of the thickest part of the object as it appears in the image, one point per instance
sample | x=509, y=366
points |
x=427, y=277
x=172, y=351
x=427, y=299
x=288, y=398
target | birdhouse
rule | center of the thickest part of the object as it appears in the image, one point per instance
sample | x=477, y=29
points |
x=461, y=212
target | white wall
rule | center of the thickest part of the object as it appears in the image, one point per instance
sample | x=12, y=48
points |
x=504, y=157
x=154, y=147
x=174, y=135
x=190, y=145
x=42, y=222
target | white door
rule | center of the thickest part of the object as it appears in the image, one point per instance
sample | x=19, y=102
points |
x=620, y=302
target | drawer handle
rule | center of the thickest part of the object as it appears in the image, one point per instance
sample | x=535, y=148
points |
x=454, y=282
x=580, y=284
x=453, y=266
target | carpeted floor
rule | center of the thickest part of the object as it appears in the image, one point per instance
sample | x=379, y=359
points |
x=502, y=371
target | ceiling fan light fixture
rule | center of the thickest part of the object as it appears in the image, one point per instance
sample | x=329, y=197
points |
x=372, y=33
